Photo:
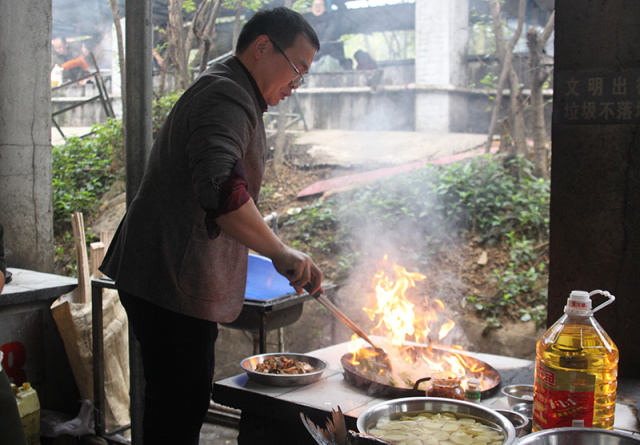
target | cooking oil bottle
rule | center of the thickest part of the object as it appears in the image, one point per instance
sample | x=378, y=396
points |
x=29, y=408
x=576, y=369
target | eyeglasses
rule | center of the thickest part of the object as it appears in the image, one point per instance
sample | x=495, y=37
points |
x=297, y=81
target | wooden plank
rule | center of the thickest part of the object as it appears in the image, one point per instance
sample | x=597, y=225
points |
x=82, y=262
x=96, y=254
x=105, y=238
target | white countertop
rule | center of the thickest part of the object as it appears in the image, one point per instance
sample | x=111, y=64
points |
x=332, y=390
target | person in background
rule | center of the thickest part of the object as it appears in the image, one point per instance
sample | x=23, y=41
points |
x=327, y=26
x=11, y=429
x=179, y=256
x=62, y=53
x=364, y=60
x=91, y=53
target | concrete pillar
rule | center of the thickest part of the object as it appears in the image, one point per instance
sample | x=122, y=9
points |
x=595, y=173
x=25, y=133
x=441, y=42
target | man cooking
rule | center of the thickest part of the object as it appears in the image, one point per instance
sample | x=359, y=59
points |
x=179, y=257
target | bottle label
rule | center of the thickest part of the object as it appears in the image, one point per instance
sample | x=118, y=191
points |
x=472, y=396
x=563, y=398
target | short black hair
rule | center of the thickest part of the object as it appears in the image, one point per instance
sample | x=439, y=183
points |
x=281, y=24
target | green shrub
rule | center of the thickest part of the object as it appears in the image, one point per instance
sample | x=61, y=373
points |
x=479, y=197
x=161, y=108
x=83, y=169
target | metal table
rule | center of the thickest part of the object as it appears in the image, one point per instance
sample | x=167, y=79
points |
x=29, y=337
x=270, y=415
x=29, y=286
x=99, y=398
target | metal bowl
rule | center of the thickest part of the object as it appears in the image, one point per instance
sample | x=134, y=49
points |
x=520, y=422
x=524, y=408
x=582, y=436
x=368, y=419
x=249, y=365
x=518, y=394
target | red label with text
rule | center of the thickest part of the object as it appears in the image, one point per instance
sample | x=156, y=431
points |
x=563, y=398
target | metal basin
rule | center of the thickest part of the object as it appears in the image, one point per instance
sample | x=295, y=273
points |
x=579, y=436
x=249, y=365
x=518, y=394
x=367, y=420
x=521, y=423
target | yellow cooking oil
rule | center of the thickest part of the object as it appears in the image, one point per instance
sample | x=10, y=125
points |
x=576, y=369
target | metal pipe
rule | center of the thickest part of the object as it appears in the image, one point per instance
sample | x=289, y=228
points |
x=138, y=141
x=138, y=91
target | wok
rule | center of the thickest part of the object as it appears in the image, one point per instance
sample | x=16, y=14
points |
x=489, y=377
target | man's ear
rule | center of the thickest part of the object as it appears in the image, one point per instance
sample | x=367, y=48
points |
x=260, y=46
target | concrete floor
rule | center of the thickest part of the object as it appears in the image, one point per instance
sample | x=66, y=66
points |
x=213, y=434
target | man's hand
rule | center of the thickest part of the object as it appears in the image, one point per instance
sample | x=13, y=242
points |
x=300, y=269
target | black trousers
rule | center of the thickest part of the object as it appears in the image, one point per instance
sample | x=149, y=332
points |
x=178, y=359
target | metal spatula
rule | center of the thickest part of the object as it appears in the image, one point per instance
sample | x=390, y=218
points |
x=383, y=357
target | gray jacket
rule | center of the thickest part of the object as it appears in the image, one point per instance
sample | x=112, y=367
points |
x=164, y=251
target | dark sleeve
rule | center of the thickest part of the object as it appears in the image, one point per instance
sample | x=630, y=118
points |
x=222, y=123
x=3, y=261
x=233, y=195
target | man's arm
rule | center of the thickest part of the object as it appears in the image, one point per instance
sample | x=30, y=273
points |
x=247, y=226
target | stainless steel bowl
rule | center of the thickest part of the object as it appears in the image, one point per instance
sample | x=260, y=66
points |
x=518, y=394
x=249, y=365
x=368, y=419
x=520, y=422
x=582, y=436
x=524, y=408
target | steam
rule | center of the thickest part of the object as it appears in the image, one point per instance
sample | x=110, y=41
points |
x=406, y=243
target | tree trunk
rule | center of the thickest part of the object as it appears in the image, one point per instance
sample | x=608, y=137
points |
x=236, y=24
x=116, y=21
x=281, y=136
x=203, y=28
x=538, y=77
x=175, y=29
x=505, y=54
x=517, y=115
x=207, y=33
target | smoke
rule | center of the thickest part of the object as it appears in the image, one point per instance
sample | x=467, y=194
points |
x=388, y=219
x=76, y=18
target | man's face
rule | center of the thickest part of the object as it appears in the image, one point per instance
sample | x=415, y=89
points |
x=318, y=7
x=59, y=46
x=277, y=77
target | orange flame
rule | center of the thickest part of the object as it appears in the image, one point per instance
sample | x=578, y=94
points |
x=401, y=320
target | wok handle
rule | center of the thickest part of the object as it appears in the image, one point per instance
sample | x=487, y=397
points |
x=417, y=383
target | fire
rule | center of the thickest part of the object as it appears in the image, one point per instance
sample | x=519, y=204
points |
x=405, y=322
x=400, y=320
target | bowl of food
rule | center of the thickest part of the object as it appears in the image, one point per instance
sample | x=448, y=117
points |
x=444, y=420
x=518, y=394
x=520, y=422
x=582, y=436
x=284, y=369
